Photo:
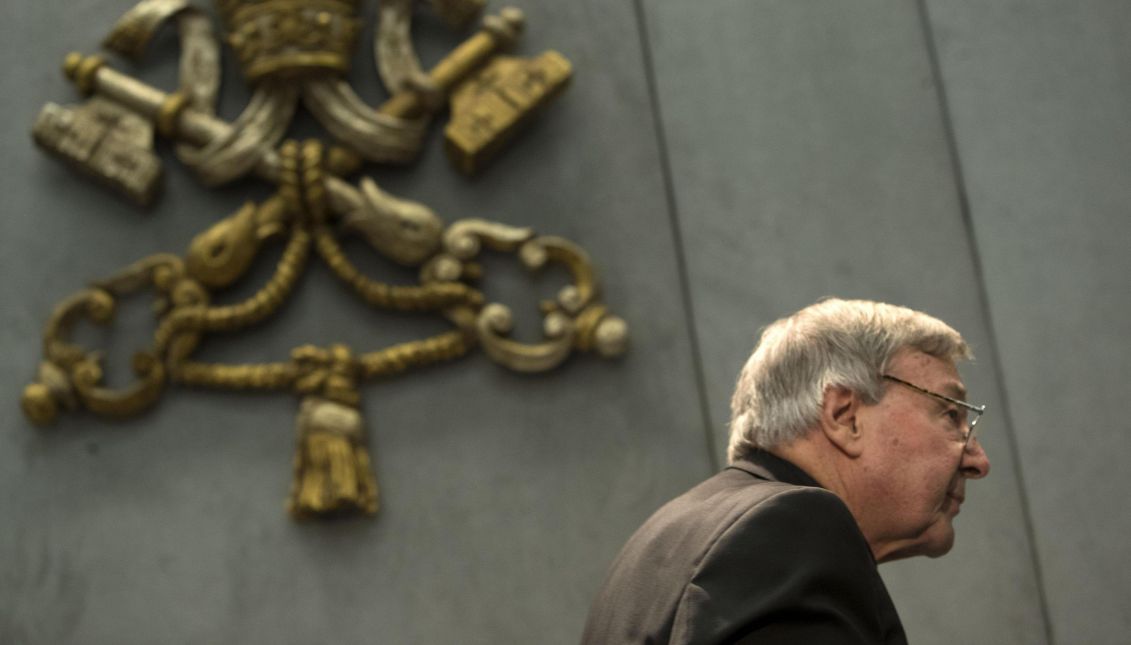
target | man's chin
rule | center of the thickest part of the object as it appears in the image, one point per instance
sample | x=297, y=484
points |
x=934, y=542
x=938, y=539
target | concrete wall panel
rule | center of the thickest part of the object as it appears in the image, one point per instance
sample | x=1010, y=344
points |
x=1038, y=93
x=809, y=158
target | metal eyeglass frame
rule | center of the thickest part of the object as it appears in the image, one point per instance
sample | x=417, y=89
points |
x=978, y=410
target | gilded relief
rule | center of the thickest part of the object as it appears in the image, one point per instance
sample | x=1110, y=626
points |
x=292, y=52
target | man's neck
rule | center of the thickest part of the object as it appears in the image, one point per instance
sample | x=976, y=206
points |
x=830, y=468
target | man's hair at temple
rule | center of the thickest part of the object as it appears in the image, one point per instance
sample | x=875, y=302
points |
x=847, y=343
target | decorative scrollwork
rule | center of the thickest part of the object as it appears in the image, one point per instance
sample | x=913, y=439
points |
x=223, y=252
x=573, y=321
x=495, y=323
x=402, y=230
x=465, y=238
x=71, y=374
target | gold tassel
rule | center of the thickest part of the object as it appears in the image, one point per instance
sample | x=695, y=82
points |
x=332, y=471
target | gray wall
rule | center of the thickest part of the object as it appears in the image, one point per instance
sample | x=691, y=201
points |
x=724, y=163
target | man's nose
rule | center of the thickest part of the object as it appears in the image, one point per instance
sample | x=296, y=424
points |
x=975, y=461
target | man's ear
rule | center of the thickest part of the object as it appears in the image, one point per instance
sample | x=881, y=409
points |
x=839, y=411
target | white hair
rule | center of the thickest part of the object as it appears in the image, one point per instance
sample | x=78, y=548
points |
x=847, y=343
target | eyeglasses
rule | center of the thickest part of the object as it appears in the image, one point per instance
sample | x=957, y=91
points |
x=965, y=418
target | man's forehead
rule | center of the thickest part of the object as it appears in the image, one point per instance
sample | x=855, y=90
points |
x=931, y=372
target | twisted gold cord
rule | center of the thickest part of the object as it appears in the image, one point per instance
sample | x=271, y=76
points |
x=253, y=310
x=429, y=297
x=418, y=353
x=268, y=376
x=268, y=299
x=282, y=376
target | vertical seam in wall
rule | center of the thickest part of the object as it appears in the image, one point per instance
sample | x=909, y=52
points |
x=984, y=301
x=677, y=234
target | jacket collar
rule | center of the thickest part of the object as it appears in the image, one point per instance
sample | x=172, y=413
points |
x=763, y=465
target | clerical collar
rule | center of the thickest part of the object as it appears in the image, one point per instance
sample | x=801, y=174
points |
x=763, y=465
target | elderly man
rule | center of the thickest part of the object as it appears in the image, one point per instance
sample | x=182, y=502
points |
x=850, y=446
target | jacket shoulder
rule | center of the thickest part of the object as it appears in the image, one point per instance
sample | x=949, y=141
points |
x=793, y=561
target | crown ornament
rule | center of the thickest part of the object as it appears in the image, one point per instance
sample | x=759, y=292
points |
x=288, y=38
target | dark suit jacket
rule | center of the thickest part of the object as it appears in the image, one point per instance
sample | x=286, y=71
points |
x=759, y=553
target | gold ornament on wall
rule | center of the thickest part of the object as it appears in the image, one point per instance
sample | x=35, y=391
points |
x=294, y=51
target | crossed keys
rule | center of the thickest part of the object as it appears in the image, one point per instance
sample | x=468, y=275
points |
x=292, y=50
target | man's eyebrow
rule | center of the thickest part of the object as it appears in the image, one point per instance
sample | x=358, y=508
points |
x=955, y=390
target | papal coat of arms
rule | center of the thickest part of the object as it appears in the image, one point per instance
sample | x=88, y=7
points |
x=292, y=52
